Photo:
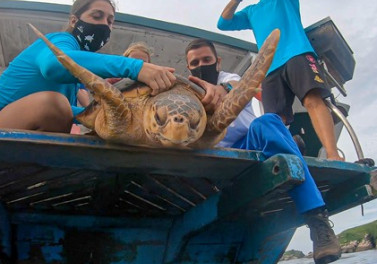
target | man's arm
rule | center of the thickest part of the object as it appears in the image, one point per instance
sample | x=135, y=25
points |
x=232, y=20
x=230, y=9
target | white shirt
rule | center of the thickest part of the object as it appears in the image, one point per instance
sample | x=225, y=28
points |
x=239, y=127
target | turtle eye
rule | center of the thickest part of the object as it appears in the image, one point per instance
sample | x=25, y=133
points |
x=161, y=116
x=194, y=120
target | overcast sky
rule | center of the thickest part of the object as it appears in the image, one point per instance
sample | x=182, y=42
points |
x=357, y=22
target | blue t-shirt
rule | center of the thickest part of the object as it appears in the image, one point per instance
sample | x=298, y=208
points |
x=36, y=69
x=266, y=16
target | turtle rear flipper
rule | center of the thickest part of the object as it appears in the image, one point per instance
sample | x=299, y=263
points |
x=247, y=87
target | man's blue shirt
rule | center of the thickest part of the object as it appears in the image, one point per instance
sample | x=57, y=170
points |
x=268, y=15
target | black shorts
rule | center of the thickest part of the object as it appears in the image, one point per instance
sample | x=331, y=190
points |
x=297, y=77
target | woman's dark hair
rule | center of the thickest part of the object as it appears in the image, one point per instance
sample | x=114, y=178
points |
x=80, y=6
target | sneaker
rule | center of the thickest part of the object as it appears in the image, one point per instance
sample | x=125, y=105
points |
x=326, y=247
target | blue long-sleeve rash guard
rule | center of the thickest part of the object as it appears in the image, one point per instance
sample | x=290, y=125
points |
x=37, y=69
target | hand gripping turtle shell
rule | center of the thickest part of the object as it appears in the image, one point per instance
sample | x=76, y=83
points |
x=175, y=118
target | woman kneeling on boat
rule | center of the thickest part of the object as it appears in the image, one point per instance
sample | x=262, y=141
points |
x=38, y=93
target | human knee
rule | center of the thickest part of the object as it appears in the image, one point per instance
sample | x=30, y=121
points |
x=264, y=121
x=55, y=105
x=313, y=100
x=268, y=117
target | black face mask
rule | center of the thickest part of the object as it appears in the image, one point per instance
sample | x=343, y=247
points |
x=207, y=73
x=91, y=37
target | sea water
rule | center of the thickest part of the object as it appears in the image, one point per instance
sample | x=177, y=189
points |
x=363, y=257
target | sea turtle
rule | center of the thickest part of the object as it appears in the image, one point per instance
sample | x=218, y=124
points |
x=174, y=118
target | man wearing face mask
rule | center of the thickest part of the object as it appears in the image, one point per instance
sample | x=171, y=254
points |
x=204, y=65
x=269, y=135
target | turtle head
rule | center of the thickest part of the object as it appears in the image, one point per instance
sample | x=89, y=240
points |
x=174, y=118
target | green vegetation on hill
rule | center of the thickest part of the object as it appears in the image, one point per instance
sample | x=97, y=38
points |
x=292, y=254
x=357, y=233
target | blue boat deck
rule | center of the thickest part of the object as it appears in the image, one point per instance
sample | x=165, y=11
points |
x=77, y=199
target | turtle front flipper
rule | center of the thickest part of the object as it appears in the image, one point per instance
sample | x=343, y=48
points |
x=247, y=87
x=109, y=95
x=89, y=115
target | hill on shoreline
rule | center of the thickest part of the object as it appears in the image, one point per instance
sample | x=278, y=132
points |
x=358, y=233
x=345, y=238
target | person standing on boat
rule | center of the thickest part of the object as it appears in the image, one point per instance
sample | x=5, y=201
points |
x=294, y=70
x=267, y=134
x=38, y=93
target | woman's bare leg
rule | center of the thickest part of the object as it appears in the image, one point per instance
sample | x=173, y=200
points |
x=43, y=111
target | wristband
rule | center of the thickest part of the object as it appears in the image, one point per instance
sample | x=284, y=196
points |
x=227, y=86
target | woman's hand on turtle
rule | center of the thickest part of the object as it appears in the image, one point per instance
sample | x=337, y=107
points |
x=214, y=94
x=158, y=78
